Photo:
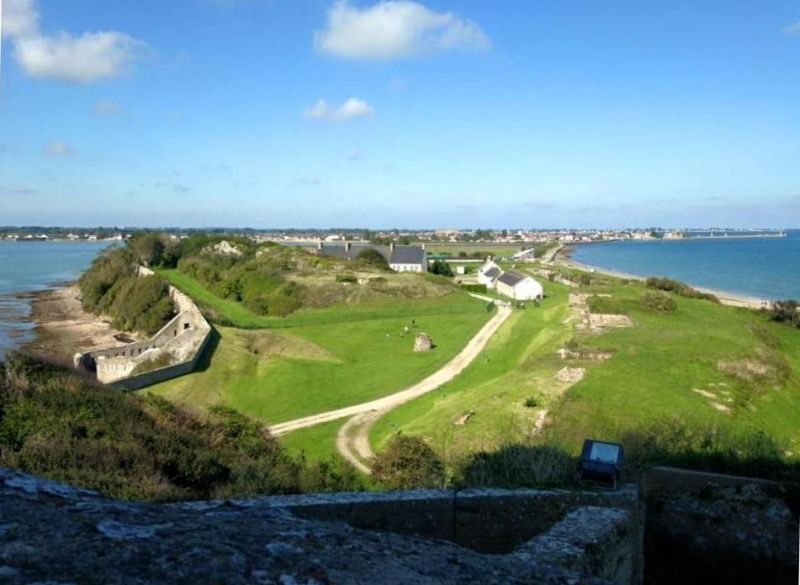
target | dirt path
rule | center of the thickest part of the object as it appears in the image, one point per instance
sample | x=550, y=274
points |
x=379, y=407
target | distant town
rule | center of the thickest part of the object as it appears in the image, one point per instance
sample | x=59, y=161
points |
x=519, y=237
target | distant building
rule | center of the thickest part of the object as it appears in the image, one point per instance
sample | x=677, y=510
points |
x=488, y=274
x=519, y=287
x=399, y=258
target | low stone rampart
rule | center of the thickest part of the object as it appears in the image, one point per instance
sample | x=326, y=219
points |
x=180, y=343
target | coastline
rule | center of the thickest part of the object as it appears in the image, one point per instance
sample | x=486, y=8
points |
x=563, y=258
x=62, y=328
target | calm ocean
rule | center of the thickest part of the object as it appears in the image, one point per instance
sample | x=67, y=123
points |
x=34, y=266
x=767, y=268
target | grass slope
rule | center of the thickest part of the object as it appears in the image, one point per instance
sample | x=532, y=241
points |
x=662, y=361
x=518, y=363
x=339, y=357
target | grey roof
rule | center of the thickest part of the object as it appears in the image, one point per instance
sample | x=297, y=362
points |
x=400, y=255
x=511, y=278
x=493, y=272
x=407, y=255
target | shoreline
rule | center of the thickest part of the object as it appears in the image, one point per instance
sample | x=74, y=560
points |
x=563, y=258
x=62, y=328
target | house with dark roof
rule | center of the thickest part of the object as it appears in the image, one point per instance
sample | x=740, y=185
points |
x=488, y=274
x=400, y=258
x=519, y=287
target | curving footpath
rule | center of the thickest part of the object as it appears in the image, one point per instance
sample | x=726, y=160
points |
x=364, y=415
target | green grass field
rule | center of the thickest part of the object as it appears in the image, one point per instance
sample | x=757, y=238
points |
x=686, y=366
x=316, y=361
x=662, y=362
x=518, y=363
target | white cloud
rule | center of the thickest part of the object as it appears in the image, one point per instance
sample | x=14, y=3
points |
x=395, y=29
x=792, y=29
x=58, y=149
x=87, y=58
x=20, y=18
x=350, y=110
x=107, y=108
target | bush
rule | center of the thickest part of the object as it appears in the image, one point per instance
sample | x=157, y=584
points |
x=659, y=302
x=531, y=402
x=519, y=466
x=679, y=288
x=371, y=257
x=476, y=288
x=346, y=278
x=786, y=312
x=408, y=463
x=112, y=287
x=441, y=268
x=59, y=425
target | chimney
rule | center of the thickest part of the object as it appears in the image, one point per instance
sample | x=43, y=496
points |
x=319, y=244
x=423, y=247
x=391, y=247
x=347, y=247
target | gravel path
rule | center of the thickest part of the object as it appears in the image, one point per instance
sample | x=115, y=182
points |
x=381, y=406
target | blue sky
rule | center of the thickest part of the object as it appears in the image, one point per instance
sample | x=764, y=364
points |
x=312, y=113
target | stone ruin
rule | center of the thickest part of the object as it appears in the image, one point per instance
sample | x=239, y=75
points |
x=179, y=345
x=571, y=375
x=423, y=343
x=677, y=526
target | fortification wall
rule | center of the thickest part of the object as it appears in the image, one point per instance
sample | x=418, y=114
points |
x=181, y=342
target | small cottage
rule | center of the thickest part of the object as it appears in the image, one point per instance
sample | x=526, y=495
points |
x=519, y=287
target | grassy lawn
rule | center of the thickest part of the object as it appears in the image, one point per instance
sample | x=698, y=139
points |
x=518, y=363
x=316, y=361
x=661, y=363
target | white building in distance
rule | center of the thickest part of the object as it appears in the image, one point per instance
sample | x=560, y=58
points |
x=519, y=287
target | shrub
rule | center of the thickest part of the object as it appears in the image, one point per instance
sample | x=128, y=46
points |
x=519, y=466
x=786, y=312
x=531, y=402
x=346, y=278
x=371, y=257
x=476, y=288
x=408, y=463
x=659, y=302
x=441, y=268
x=679, y=288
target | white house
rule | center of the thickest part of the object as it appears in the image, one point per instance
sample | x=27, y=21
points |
x=408, y=258
x=519, y=287
x=488, y=273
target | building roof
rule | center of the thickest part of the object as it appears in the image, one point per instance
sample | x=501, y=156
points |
x=400, y=254
x=407, y=255
x=511, y=278
x=493, y=272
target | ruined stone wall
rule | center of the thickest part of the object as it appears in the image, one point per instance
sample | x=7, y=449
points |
x=55, y=533
x=712, y=528
x=183, y=339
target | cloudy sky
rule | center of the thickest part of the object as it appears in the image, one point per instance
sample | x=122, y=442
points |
x=274, y=113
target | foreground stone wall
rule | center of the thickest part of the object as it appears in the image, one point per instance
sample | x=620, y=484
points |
x=50, y=532
x=712, y=528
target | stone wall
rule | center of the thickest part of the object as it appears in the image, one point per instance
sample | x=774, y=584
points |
x=181, y=342
x=712, y=528
x=50, y=532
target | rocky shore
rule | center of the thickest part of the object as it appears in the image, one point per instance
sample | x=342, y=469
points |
x=63, y=328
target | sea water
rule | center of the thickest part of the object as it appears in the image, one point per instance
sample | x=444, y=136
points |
x=27, y=267
x=763, y=268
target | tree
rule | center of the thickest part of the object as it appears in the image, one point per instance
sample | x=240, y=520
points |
x=408, y=463
x=441, y=268
x=148, y=249
x=372, y=257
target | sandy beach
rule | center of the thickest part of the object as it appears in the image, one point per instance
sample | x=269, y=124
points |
x=563, y=258
x=63, y=328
